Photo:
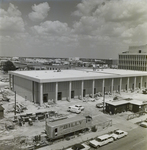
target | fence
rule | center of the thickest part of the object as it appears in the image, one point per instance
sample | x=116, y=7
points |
x=103, y=125
x=136, y=115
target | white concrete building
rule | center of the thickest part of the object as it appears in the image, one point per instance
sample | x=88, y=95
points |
x=44, y=85
x=134, y=59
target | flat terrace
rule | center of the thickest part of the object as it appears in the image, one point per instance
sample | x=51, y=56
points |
x=43, y=76
x=122, y=102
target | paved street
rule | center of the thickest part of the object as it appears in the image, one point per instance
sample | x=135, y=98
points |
x=136, y=140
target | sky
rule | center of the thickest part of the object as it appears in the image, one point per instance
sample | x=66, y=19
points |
x=71, y=28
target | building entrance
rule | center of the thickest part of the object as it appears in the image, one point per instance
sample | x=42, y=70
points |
x=139, y=85
x=133, y=86
x=84, y=93
x=94, y=90
x=59, y=95
x=72, y=94
x=45, y=98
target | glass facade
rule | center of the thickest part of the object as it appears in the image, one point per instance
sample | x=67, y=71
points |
x=133, y=61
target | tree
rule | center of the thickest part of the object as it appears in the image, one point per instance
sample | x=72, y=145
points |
x=9, y=66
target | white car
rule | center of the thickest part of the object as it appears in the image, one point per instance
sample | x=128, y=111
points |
x=99, y=105
x=101, y=140
x=118, y=134
x=143, y=124
x=74, y=109
x=91, y=99
x=79, y=146
x=79, y=106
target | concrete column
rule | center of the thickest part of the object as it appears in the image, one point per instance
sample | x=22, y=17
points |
x=134, y=83
x=10, y=81
x=82, y=86
x=120, y=85
x=103, y=85
x=141, y=83
x=69, y=90
x=13, y=82
x=41, y=93
x=35, y=98
x=112, y=83
x=93, y=85
x=56, y=93
x=128, y=81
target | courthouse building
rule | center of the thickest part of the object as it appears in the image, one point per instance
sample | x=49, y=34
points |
x=40, y=86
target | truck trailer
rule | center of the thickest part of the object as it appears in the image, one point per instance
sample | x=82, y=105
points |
x=60, y=128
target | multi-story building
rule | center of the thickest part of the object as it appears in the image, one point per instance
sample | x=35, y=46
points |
x=134, y=59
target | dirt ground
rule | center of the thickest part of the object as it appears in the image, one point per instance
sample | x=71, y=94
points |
x=14, y=139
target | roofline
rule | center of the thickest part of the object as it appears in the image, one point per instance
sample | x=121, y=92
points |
x=129, y=53
x=78, y=78
x=127, y=102
x=68, y=120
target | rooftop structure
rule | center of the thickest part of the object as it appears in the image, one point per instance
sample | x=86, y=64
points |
x=119, y=106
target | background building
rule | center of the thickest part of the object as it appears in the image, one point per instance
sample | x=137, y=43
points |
x=134, y=59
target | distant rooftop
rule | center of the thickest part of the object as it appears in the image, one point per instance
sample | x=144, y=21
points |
x=138, y=49
x=43, y=76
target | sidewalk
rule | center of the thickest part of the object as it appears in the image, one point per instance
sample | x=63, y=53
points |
x=139, y=119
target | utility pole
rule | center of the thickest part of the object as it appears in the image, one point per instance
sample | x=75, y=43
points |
x=104, y=100
x=15, y=104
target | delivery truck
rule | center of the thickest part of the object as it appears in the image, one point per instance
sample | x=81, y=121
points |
x=60, y=128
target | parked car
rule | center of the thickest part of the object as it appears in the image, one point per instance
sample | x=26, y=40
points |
x=91, y=99
x=144, y=91
x=79, y=106
x=86, y=99
x=118, y=134
x=143, y=124
x=99, y=105
x=74, y=109
x=79, y=147
x=101, y=140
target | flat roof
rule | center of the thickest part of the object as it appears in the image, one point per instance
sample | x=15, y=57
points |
x=117, y=102
x=121, y=102
x=43, y=76
x=136, y=102
x=65, y=121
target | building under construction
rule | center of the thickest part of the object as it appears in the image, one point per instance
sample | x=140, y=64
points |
x=43, y=85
